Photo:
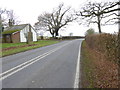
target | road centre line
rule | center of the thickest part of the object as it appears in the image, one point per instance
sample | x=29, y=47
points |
x=25, y=64
x=23, y=67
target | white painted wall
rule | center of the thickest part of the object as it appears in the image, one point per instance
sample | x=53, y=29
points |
x=22, y=36
x=25, y=30
x=34, y=35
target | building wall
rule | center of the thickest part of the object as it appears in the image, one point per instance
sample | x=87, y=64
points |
x=15, y=37
x=26, y=30
x=7, y=38
x=22, y=36
x=34, y=35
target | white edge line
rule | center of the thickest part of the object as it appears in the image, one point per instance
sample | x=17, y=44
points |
x=76, y=82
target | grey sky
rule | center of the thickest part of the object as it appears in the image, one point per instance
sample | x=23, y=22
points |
x=29, y=10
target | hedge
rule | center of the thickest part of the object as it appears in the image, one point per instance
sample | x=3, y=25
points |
x=105, y=44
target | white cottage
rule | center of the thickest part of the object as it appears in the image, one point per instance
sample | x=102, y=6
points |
x=20, y=33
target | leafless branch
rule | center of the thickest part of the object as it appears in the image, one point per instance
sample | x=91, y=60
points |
x=56, y=20
x=95, y=12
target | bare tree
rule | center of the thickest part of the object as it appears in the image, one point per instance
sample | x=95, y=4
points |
x=2, y=12
x=2, y=19
x=12, y=17
x=54, y=21
x=8, y=16
x=96, y=12
x=45, y=23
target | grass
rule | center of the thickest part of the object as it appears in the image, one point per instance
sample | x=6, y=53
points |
x=7, y=45
x=86, y=67
x=10, y=31
x=13, y=48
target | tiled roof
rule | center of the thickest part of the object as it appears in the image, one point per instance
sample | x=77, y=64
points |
x=20, y=27
x=15, y=28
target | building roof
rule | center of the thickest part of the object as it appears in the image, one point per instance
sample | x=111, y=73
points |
x=14, y=28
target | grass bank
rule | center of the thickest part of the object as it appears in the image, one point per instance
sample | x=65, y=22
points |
x=12, y=48
x=97, y=71
x=86, y=67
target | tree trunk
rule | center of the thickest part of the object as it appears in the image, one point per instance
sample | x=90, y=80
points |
x=99, y=24
x=53, y=35
x=56, y=32
x=27, y=40
x=99, y=27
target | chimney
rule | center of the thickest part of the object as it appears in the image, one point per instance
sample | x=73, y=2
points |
x=10, y=22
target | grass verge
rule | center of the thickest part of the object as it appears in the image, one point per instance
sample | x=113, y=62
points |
x=86, y=67
x=13, y=48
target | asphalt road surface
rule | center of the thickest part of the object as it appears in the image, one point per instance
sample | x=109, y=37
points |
x=52, y=66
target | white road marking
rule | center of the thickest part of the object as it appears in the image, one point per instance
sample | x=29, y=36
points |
x=26, y=64
x=76, y=82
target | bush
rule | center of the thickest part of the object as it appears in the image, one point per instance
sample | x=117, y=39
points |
x=89, y=32
x=104, y=43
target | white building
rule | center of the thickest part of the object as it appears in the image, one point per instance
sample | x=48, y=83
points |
x=19, y=33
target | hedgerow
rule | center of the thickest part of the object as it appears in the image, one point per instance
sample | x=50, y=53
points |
x=105, y=44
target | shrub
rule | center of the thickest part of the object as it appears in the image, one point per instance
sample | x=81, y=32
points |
x=89, y=32
x=104, y=43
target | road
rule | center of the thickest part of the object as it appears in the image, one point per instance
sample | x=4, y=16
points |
x=52, y=66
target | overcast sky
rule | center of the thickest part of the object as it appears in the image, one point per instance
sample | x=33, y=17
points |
x=28, y=11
